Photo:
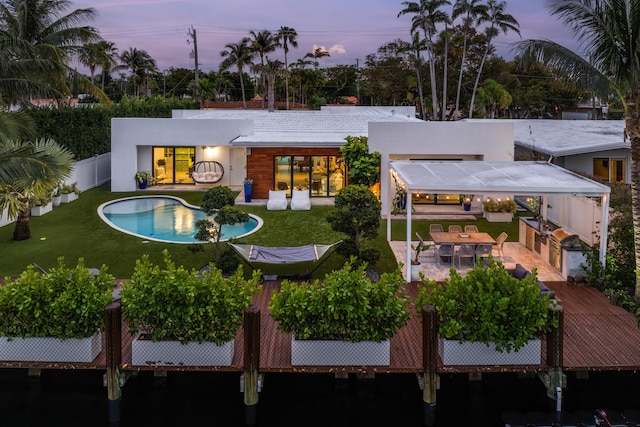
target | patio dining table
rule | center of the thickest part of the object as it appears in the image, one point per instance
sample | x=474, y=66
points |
x=458, y=238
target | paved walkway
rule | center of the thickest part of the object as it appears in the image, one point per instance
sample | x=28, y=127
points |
x=514, y=253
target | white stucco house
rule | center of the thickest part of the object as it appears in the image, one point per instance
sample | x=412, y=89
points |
x=595, y=147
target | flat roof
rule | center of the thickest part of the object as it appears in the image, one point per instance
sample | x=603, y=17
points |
x=528, y=178
x=307, y=128
x=570, y=137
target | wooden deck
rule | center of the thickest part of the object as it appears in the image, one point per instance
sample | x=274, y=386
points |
x=598, y=336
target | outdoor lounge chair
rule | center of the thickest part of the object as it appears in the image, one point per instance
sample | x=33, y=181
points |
x=300, y=200
x=277, y=200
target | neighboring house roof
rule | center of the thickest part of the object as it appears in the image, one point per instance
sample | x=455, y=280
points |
x=306, y=128
x=569, y=137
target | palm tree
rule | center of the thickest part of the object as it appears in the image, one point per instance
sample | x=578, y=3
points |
x=470, y=10
x=499, y=21
x=240, y=55
x=317, y=54
x=287, y=36
x=46, y=36
x=426, y=16
x=415, y=58
x=140, y=63
x=262, y=43
x=271, y=70
x=609, y=31
x=109, y=61
x=29, y=169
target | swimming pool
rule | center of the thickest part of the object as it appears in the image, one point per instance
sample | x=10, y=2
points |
x=165, y=219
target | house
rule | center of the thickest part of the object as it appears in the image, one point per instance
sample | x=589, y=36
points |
x=292, y=149
x=594, y=147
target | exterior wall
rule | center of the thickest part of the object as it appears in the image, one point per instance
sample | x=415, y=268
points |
x=260, y=166
x=490, y=141
x=580, y=214
x=584, y=162
x=133, y=138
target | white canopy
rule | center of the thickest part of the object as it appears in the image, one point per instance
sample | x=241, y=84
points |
x=527, y=178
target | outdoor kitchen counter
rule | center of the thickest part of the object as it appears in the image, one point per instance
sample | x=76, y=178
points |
x=533, y=239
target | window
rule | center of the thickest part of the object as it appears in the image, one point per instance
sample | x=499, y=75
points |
x=322, y=176
x=611, y=170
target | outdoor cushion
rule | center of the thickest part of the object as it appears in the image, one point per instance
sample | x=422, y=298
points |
x=521, y=272
x=300, y=200
x=277, y=200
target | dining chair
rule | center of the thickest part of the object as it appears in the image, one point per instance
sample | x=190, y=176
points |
x=435, y=228
x=468, y=251
x=446, y=250
x=470, y=229
x=499, y=244
x=483, y=250
x=455, y=229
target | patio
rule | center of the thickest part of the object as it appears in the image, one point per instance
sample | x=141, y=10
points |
x=514, y=253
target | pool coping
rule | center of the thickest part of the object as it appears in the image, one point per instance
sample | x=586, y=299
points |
x=179, y=200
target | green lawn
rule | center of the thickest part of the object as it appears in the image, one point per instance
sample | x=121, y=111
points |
x=75, y=230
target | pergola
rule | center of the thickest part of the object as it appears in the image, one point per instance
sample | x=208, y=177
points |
x=491, y=178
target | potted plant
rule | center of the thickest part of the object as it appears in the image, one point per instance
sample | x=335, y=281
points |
x=55, y=316
x=466, y=200
x=144, y=178
x=488, y=316
x=499, y=210
x=57, y=196
x=41, y=205
x=415, y=272
x=181, y=317
x=69, y=192
x=248, y=189
x=345, y=320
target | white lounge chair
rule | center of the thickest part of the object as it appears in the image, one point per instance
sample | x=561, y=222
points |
x=300, y=200
x=277, y=200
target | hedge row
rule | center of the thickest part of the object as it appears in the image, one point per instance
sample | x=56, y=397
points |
x=86, y=130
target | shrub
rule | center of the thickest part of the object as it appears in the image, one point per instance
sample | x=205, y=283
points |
x=489, y=305
x=65, y=303
x=346, y=306
x=176, y=304
x=499, y=205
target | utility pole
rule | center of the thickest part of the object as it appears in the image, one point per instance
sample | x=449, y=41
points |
x=358, y=80
x=192, y=34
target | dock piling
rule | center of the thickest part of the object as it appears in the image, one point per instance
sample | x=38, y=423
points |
x=113, y=349
x=429, y=363
x=251, y=363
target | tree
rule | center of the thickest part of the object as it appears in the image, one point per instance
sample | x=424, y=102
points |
x=357, y=215
x=499, y=21
x=29, y=169
x=140, y=63
x=42, y=39
x=364, y=167
x=317, y=54
x=426, y=16
x=287, y=36
x=262, y=43
x=470, y=10
x=238, y=55
x=218, y=202
x=609, y=31
x=270, y=70
x=494, y=96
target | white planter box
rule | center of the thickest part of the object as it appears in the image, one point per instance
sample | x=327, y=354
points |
x=69, y=197
x=147, y=352
x=41, y=210
x=339, y=353
x=499, y=216
x=57, y=200
x=466, y=353
x=46, y=349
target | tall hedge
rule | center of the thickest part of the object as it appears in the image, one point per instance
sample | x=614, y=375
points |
x=86, y=130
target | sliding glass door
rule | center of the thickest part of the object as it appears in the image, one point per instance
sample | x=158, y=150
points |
x=173, y=165
x=322, y=176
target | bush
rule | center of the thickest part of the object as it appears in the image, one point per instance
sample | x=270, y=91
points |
x=176, y=304
x=66, y=303
x=499, y=205
x=346, y=306
x=489, y=305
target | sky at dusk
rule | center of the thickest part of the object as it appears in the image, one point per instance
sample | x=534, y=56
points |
x=348, y=29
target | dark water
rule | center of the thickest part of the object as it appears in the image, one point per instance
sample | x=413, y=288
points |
x=70, y=398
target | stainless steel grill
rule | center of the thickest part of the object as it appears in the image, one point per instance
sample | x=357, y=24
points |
x=561, y=238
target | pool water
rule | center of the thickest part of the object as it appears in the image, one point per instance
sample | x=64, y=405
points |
x=165, y=219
